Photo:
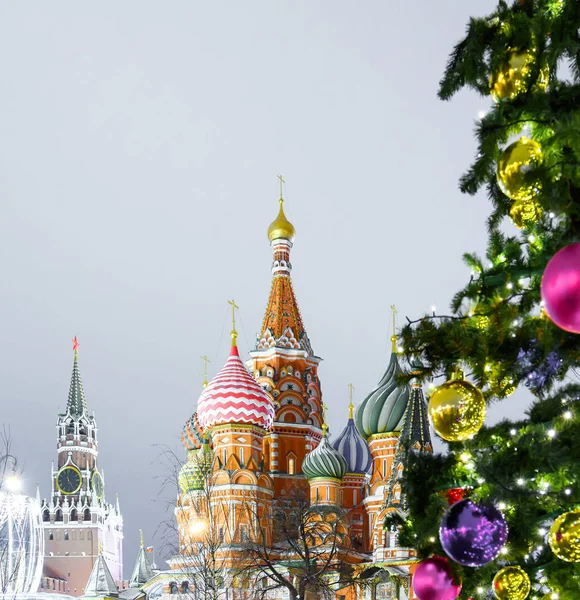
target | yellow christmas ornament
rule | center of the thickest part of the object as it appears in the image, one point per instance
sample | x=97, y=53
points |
x=515, y=164
x=513, y=78
x=512, y=583
x=524, y=213
x=503, y=388
x=457, y=409
x=564, y=538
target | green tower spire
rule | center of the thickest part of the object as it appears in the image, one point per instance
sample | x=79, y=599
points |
x=77, y=404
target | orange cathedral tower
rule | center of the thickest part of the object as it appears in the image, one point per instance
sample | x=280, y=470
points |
x=285, y=365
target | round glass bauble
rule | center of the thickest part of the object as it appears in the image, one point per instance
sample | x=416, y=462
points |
x=561, y=288
x=514, y=77
x=516, y=167
x=457, y=409
x=473, y=534
x=564, y=537
x=526, y=212
x=503, y=388
x=433, y=580
x=512, y=583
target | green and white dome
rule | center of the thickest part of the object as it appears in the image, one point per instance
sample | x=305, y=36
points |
x=324, y=462
x=383, y=409
x=193, y=474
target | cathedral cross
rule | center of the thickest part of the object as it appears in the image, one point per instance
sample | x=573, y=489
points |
x=205, y=361
x=234, y=332
x=281, y=183
x=394, y=336
x=75, y=346
x=351, y=405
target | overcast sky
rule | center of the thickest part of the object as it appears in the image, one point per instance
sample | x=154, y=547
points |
x=139, y=147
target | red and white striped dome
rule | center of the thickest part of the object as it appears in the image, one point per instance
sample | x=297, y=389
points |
x=234, y=396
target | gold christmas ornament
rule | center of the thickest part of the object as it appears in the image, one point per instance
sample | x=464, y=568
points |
x=564, y=536
x=457, y=409
x=515, y=164
x=503, y=388
x=525, y=212
x=513, y=78
x=512, y=583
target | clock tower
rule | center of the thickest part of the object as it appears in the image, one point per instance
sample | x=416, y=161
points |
x=77, y=520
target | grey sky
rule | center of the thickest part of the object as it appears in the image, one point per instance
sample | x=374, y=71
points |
x=139, y=147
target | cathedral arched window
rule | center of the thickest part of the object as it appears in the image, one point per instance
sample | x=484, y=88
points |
x=70, y=428
x=184, y=587
x=45, y=515
x=173, y=588
x=242, y=456
x=66, y=536
x=50, y=535
x=58, y=515
x=83, y=430
x=291, y=466
x=86, y=515
x=74, y=515
x=384, y=468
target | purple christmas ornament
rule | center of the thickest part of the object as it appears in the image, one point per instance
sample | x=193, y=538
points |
x=473, y=534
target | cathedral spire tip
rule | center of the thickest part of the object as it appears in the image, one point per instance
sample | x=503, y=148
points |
x=350, y=404
x=281, y=228
x=394, y=337
x=234, y=333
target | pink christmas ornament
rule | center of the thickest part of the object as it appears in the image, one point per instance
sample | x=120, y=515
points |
x=561, y=288
x=433, y=580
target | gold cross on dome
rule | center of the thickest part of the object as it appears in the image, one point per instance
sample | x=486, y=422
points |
x=281, y=183
x=394, y=309
x=351, y=405
x=394, y=336
x=234, y=332
x=324, y=425
x=234, y=307
x=205, y=361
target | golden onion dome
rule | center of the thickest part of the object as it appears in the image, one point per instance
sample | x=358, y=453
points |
x=281, y=228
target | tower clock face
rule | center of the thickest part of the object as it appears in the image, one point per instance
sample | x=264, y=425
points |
x=98, y=485
x=69, y=480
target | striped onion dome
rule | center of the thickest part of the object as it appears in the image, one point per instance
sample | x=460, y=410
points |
x=193, y=474
x=324, y=462
x=191, y=434
x=383, y=409
x=234, y=396
x=354, y=448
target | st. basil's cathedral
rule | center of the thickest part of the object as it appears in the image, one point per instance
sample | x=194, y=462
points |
x=258, y=437
x=257, y=440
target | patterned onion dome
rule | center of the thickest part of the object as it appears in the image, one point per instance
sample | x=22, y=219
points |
x=324, y=462
x=354, y=448
x=234, y=396
x=191, y=434
x=192, y=475
x=383, y=409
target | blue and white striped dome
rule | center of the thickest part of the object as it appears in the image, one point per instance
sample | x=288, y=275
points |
x=324, y=462
x=383, y=409
x=355, y=450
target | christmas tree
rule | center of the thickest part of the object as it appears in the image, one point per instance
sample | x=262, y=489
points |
x=502, y=506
